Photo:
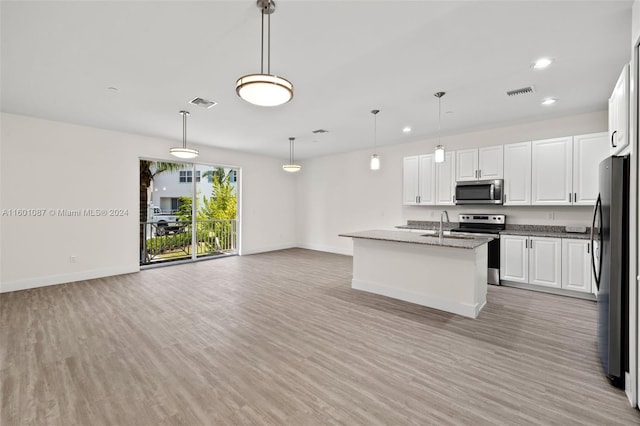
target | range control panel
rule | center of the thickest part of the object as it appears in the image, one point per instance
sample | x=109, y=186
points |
x=497, y=219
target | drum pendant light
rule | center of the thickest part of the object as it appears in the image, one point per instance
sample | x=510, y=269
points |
x=183, y=151
x=375, y=159
x=439, y=154
x=291, y=167
x=265, y=89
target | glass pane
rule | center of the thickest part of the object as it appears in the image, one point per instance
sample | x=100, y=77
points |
x=165, y=227
x=216, y=204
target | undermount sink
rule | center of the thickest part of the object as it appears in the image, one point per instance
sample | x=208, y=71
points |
x=457, y=237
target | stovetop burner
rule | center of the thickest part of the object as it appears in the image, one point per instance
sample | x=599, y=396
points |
x=481, y=223
x=478, y=230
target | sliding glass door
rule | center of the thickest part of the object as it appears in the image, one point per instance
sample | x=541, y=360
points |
x=187, y=211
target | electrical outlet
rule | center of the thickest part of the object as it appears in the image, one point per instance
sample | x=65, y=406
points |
x=72, y=259
x=433, y=214
x=550, y=215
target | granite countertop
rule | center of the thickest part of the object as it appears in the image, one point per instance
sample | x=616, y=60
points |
x=415, y=238
x=550, y=234
x=526, y=230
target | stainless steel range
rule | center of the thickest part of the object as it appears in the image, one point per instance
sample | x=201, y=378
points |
x=485, y=225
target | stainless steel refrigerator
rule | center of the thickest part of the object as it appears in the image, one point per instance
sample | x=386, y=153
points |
x=610, y=257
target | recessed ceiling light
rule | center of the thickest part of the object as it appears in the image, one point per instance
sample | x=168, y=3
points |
x=112, y=89
x=407, y=129
x=542, y=63
x=549, y=101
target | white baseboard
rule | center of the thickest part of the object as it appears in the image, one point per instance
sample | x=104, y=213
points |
x=66, y=278
x=267, y=249
x=328, y=249
x=470, y=311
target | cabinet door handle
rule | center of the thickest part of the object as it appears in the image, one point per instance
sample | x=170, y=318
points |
x=530, y=244
x=575, y=197
x=526, y=243
x=569, y=197
x=479, y=173
x=613, y=135
x=588, y=248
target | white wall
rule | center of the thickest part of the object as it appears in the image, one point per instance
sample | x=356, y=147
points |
x=635, y=23
x=51, y=165
x=339, y=193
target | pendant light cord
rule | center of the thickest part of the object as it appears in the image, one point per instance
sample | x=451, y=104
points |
x=262, y=44
x=266, y=9
x=291, y=150
x=439, y=95
x=375, y=127
x=184, y=128
x=439, y=118
x=375, y=131
x=269, y=38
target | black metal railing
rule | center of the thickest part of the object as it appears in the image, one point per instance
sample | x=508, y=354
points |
x=174, y=241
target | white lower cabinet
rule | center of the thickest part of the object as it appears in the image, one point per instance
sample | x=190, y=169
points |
x=576, y=265
x=562, y=263
x=531, y=260
x=545, y=261
x=514, y=259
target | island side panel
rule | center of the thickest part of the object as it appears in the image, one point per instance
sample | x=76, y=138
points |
x=445, y=278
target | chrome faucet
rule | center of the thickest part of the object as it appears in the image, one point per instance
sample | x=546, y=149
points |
x=444, y=213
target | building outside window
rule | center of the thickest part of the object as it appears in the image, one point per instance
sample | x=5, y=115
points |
x=186, y=176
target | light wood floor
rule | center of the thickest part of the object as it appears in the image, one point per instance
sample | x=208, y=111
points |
x=281, y=339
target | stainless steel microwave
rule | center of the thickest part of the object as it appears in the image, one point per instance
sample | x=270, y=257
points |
x=479, y=192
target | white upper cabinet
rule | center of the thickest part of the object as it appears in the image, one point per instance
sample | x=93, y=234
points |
x=479, y=163
x=467, y=165
x=446, y=180
x=517, y=174
x=551, y=171
x=418, y=180
x=427, y=194
x=490, y=162
x=410, y=180
x=619, y=114
x=588, y=151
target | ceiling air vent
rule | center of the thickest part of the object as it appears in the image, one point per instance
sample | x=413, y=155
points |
x=204, y=103
x=320, y=131
x=522, y=91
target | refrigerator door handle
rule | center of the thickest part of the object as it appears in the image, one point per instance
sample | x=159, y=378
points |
x=596, y=272
x=613, y=135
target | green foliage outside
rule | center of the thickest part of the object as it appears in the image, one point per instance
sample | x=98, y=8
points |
x=220, y=206
x=185, y=209
x=222, y=203
x=216, y=215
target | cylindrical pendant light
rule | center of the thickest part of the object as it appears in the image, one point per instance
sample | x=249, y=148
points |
x=375, y=159
x=291, y=167
x=183, y=151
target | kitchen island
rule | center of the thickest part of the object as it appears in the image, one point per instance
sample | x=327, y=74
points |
x=449, y=273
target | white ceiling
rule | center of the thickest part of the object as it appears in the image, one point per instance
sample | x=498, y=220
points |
x=344, y=58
